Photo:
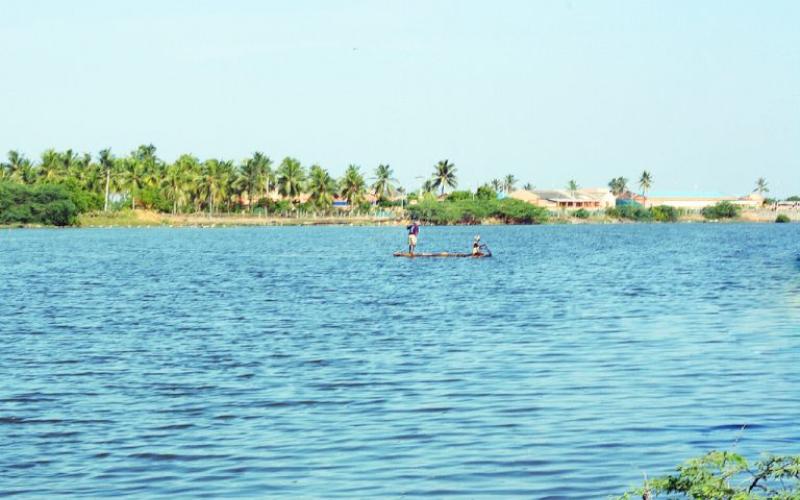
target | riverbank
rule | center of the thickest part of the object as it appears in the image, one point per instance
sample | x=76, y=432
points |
x=148, y=218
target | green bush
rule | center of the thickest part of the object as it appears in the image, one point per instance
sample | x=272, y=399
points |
x=460, y=196
x=38, y=204
x=84, y=200
x=474, y=212
x=665, y=213
x=631, y=212
x=724, y=475
x=581, y=213
x=722, y=210
x=486, y=192
x=793, y=198
x=153, y=198
x=782, y=219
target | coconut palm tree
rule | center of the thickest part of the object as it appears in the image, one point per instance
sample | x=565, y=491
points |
x=497, y=184
x=427, y=187
x=136, y=176
x=174, y=184
x=528, y=186
x=50, y=168
x=291, y=176
x=618, y=185
x=509, y=182
x=255, y=176
x=444, y=175
x=214, y=175
x=352, y=185
x=761, y=186
x=106, y=160
x=572, y=187
x=17, y=168
x=384, y=182
x=321, y=187
x=645, y=182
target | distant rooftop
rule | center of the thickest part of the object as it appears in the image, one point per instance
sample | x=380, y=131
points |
x=687, y=194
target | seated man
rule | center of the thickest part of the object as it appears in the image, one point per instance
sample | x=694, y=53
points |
x=476, y=245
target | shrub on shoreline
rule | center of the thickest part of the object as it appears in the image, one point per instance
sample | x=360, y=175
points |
x=582, y=213
x=47, y=204
x=468, y=211
x=782, y=219
x=722, y=210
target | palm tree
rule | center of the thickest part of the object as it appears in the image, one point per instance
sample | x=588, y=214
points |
x=645, y=182
x=497, y=184
x=213, y=179
x=508, y=183
x=321, y=187
x=18, y=168
x=444, y=175
x=528, y=186
x=618, y=185
x=136, y=176
x=352, y=185
x=572, y=187
x=384, y=182
x=177, y=179
x=761, y=186
x=427, y=186
x=50, y=168
x=106, y=163
x=291, y=177
x=254, y=176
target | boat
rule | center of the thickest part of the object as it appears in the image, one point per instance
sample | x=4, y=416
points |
x=443, y=254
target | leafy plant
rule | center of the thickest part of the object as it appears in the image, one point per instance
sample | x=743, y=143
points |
x=581, y=213
x=665, y=213
x=723, y=475
x=782, y=219
x=722, y=210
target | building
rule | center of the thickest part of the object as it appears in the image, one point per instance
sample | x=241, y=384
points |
x=698, y=201
x=559, y=199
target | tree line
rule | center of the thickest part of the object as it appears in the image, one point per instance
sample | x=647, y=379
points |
x=189, y=184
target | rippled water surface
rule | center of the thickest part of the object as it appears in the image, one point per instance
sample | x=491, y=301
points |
x=308, y=362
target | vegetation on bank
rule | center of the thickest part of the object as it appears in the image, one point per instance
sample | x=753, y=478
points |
x=722, y=210
x=661, y=213
x=466, y=208
x=724, y=475
x=782, y=219
x=257, y=186
x=45, y=204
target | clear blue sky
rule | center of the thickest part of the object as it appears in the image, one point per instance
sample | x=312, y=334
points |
x=704, y=94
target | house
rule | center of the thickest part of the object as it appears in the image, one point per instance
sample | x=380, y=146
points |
x=558, y=199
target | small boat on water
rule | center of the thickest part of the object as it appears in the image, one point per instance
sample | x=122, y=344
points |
x=479, y=255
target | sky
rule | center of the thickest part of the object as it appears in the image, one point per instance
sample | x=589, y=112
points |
x=704, y=95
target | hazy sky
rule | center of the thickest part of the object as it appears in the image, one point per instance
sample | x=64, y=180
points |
x=704, y=94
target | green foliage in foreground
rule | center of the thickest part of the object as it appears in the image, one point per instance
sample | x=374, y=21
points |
x=40, y=204
x=722, y=210
x=661, y=213
x=722, y=475
x=468, y=211
x=783, y=219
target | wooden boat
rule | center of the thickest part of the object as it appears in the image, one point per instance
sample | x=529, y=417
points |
x=442, y=254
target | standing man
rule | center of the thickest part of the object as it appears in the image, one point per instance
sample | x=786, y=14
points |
x=413, y=232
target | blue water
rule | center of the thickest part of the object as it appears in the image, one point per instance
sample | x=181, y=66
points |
x=308, y=362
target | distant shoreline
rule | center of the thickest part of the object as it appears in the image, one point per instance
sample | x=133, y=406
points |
x=146, y=218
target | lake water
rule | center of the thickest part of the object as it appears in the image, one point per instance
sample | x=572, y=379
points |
x=308, y=362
